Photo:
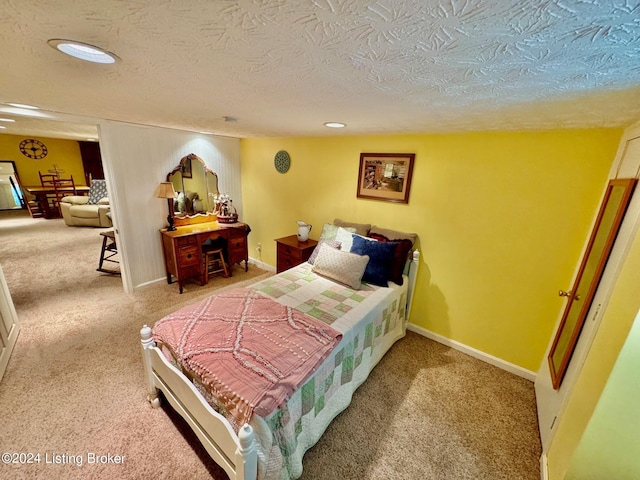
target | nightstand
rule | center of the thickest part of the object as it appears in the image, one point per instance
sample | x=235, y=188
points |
x=291, y=252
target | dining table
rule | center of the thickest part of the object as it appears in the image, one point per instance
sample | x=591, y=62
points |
x=42, y=195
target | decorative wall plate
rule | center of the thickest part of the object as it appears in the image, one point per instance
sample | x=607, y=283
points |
x=282, y=161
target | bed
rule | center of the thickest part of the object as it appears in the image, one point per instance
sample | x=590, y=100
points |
x=269, y=443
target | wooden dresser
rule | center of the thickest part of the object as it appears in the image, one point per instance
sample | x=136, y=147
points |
x=182, y=248
x=291, y=252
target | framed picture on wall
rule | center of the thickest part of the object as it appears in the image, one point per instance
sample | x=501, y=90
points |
x=186, y=167
x=385, y=176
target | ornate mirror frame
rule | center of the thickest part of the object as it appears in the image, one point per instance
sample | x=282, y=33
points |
x=196, y=186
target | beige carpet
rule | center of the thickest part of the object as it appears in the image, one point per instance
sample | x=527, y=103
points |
x=75, y=387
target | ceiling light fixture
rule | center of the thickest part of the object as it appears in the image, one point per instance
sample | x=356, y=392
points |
x=7, y=120
x=2, y=126
x=206, y=133
x=335, y=125
x=83, y=51
x=22, y=105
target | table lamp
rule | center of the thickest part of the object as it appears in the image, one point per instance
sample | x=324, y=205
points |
x=165, y=190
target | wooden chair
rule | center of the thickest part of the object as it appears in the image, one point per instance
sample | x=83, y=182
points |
x=33, y=206
x=47, y=179
x=29, y=201
x=63, y=187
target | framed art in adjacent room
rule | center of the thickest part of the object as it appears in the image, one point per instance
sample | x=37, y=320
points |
x=186, y=167
x=385, y=176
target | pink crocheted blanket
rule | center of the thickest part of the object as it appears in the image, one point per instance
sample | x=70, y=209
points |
x=248, y=350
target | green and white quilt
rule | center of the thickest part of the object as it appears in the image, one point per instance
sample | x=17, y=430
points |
x=370, y=319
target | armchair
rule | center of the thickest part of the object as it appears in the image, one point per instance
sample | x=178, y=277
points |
x=91, y=211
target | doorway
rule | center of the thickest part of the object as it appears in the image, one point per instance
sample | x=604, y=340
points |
x=11, y=196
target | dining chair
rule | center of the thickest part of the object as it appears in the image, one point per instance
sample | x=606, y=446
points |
x=63, y=187
x=47, y=179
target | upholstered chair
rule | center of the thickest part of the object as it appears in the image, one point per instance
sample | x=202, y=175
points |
x=90, y=211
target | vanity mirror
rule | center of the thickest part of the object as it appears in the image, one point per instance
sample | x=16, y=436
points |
x=196, y=186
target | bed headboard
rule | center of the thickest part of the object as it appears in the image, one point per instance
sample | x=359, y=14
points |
x=411, y=271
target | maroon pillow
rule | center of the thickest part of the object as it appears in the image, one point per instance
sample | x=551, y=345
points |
x=399, y=256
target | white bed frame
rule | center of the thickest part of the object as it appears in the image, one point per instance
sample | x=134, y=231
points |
x=237, y=454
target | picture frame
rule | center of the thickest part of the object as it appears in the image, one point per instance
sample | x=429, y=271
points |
x=385, y=176
x=186, y=168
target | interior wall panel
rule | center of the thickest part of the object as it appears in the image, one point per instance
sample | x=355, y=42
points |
x=136, y=159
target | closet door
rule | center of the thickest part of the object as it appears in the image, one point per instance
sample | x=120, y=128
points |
x=9, y=326
x=579, y=298
x=592, y=286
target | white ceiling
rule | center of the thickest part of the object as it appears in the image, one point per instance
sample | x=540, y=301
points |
x=284, y=67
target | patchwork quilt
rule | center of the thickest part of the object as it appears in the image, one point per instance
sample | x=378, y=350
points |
x=367, y=321
x=370, y=319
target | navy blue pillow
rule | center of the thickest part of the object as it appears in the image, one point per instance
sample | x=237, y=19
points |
x=378, y=271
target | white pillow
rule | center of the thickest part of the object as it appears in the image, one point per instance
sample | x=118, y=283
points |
x=346, y=239
x=341, y=266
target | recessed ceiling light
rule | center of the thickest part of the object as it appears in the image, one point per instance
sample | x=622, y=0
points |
x=206, y=133
x=83, y=51
x=335, y=125
x=22, y=105
x=7, y=120
x=2, y=126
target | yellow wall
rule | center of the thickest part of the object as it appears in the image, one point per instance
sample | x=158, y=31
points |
x=612, y=333
x=501, y=217
x=65, y=154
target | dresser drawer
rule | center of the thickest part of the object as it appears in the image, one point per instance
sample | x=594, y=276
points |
x=237, y=244
x=189, y=255
x=186, y=241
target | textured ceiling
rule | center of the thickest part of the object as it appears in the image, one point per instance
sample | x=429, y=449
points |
x=284, y=67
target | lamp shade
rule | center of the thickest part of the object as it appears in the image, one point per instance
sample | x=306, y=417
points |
x=165, y=190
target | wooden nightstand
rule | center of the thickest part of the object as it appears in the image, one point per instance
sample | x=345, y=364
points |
x=291, y=252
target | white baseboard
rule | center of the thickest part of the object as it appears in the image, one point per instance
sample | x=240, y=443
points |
x=495, y=361
x=262, y=265
x=544, y=469
x=150, y=283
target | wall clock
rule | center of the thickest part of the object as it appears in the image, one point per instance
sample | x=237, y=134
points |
x=33, y=149
x=282, y=161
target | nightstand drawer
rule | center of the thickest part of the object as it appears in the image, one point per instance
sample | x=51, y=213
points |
x=294, y=254
x=291, y=252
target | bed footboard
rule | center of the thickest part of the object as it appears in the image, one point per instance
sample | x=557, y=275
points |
x=237, y=454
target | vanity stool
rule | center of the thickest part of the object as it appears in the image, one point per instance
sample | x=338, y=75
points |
x=214, y=263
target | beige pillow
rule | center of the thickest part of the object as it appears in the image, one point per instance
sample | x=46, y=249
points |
x=329, y=231
x=361, y=228
x=343, y=267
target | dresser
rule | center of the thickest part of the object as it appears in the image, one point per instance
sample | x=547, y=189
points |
x=291, y=252
x=183, y=247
